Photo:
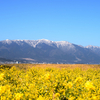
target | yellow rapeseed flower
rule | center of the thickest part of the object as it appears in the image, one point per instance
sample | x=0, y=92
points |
x=1, y=76
x=69, y=84
x=89, y=85
x=47, y=76
x=40, y=98
x=71, y=98
x=57, y=95
x=49, y=84
x=94, y=97
x=18, y=96
x=2, y=89
x=3, y=98
x=1, y=66
x=78, y=79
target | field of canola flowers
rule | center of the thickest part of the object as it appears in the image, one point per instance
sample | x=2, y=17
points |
x=49, y=83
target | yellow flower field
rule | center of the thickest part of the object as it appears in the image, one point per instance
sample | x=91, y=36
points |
x=49, y=83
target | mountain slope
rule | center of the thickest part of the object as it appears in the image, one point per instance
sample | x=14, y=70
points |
x=95, y=49
x=47, y=51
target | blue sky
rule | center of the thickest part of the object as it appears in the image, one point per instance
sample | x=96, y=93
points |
x=75, y=21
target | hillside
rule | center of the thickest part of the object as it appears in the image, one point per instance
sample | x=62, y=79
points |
x=39, y=51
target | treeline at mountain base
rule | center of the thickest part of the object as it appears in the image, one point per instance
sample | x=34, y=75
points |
x=49, y=82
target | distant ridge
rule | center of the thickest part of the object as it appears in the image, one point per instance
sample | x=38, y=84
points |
x=43, y=50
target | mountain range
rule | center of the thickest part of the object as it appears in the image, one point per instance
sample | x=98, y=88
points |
x=43, y=50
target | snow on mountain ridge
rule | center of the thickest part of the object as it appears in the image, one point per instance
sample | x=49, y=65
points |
x=90, y=46
x=63, y=43
x=59, y=44
x=7, y=41
x=45, y=41
x=33, y=43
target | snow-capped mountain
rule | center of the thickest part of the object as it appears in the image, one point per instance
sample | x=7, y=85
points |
x=95, y=49
x=44, y=50
x=33, y=43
